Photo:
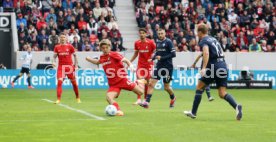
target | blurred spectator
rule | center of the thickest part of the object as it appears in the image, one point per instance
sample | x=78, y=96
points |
x=20, y=19
x=97, y=10
x=92, y=26
x=77, y=45
x=112, y=23
x=2, y=66
x=51, y=15
x=53, y=40
x=71, y=37
x=255, y=47
x=7, y=3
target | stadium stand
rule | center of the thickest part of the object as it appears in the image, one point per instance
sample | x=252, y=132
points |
x=85, y=22
x=240, y=25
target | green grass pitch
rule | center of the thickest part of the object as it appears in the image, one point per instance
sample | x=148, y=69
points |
x=25, y=117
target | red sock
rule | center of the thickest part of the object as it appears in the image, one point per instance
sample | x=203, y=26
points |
x=138, y=96
x=59, y=89
x=116, y=105
x=76, y=89
x=146, y=91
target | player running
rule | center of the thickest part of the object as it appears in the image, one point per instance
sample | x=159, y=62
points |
x=165, y=52
x=66, y=67
x=26, y=66
x=213, y=69
x=112, y=63
x=144, y=48
x=207, y=88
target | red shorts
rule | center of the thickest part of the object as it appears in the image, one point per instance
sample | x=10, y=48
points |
x=144, y=73
x=66, y=70
x=123, y=84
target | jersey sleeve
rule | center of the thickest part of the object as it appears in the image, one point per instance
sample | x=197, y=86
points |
x=55, y=49
x=117, y=56
x=201, y=44
x=136, y=46
x=101, y=60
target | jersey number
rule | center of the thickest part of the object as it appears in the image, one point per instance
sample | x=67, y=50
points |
x=218, y=49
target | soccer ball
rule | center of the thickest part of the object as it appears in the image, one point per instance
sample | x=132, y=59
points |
x=4, y=86
x=110, y=110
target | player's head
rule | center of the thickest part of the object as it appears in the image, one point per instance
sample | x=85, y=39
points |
x=161, y=34
x=202, y=30
x=105, y=46
x=62, y=38
x=142, y=33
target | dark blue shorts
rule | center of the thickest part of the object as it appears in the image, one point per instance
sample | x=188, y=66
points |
x=217, y=73
x=164, y=73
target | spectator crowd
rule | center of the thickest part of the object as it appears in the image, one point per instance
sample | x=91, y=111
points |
x=85, y=22
x=239, y=25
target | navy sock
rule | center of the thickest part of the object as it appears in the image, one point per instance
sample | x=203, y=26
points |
x=197, y=101
x=230, y=100
x=15, y=78
x=208, y=91
x=29, y=81
x=148, y=97
x=172, y=96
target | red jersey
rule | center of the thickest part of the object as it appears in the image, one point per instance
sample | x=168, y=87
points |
x=145, y=50
x=64, y=52
x=113, y=67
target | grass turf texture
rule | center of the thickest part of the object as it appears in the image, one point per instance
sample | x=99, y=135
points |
x=25, y=117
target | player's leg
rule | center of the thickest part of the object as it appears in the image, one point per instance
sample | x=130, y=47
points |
x=60, y=77
x=229, y=98
x=17, y=77
x=208, y=93
x=113, y=93
x=71, y=75
x=22, y=71
x=29, y=79
x=197, y=99
x=167, y=87
x=59, y=90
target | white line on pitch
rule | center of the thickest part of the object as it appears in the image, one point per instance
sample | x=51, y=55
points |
x=76, y=110
x=45, y=120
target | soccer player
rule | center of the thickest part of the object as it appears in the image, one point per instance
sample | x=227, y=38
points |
x=213, y=69
x=164, y=54
x=144, y=48
x=112, y=63
x=207, y=88
x=26, y=66
x=66, y=67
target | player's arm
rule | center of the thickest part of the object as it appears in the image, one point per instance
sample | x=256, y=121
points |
x=205, y=59
x=54, y=59
x=134, y=55
x=129, y=64
x=76, y=60
x=93, y=61
x=196, y=60
x=172, y=53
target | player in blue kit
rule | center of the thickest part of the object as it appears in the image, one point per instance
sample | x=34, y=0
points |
x=214, y=68
x=164, y=54
x=207, y=88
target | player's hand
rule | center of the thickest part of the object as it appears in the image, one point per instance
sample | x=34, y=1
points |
x=131, y=68
x=149, y=60
x=158, y=57
x=203, y=72
x=76, y=67
x=54, y=65
x=192, y=66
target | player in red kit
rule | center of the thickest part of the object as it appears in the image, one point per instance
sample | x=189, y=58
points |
x=65, y=67
x=144, y=48
x=112, y=63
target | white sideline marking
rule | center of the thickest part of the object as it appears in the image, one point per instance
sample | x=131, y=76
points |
x=76, y=110
x=45, y=120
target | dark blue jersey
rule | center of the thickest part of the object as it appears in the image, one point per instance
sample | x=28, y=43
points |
x=166, y=50
x=215, y=50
